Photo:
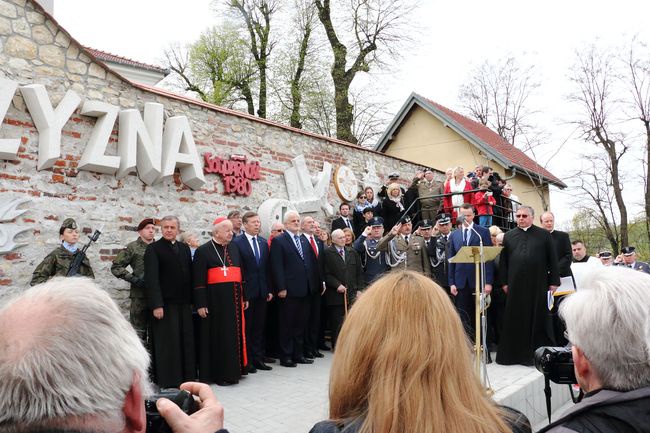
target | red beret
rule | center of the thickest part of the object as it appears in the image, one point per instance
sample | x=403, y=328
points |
x=145, y=222
x=219, y=220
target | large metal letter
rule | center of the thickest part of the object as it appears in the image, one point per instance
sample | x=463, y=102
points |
x=49, y=122
x=8, y=146
x=139, y=142
x=179, y=150
x=94, y=158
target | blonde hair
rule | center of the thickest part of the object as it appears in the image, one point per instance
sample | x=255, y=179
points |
x=494, y=230
x=403, y=364
x=392, y=187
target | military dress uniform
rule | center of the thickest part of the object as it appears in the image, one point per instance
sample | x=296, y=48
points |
x=57, y=262
x=637, y=265
x=408, y=252
x=437, y=250
x=373, y=261
x=133, y=255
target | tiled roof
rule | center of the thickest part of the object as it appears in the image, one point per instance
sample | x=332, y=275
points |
x=496, y=142
x=108, y=57
x=482, y=136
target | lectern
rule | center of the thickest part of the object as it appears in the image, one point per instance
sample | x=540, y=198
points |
x=478, y=255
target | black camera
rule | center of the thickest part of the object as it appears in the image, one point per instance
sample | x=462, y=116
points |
x=183, y=399
x=556, y=364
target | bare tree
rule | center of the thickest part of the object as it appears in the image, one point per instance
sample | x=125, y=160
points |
x=638, y=82
x=497, y=94
x=594, y=78
x=257, y=15
x=596, y=198
x=377, y=25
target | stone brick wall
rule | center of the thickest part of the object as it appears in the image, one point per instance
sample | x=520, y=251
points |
x=34, y=49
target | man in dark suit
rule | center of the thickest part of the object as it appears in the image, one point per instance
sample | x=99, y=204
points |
x=344, y=220
x=343, y=278
x=254, y=253
x=462, y=276
x=168, y=289
x=294, y=279
x=561, y=241
x=308, y=227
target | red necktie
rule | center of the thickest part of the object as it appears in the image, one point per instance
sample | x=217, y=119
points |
x=313, y=245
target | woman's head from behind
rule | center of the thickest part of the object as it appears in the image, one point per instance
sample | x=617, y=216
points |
x=403, y=360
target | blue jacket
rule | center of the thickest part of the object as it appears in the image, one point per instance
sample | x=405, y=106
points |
x=255, y=276
x=291, y=272
x=464, y=274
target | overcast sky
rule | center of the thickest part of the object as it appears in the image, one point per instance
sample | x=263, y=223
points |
x=455, y=37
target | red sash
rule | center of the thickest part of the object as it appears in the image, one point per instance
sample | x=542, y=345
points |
x=216, y=275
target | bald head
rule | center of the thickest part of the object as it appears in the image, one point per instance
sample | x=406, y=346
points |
x=548, y=221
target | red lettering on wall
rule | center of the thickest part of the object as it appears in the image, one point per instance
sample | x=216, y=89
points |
x=236, y=172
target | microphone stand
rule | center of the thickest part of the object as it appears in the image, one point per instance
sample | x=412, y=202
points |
x=480, y=323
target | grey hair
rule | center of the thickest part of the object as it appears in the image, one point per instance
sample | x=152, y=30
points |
x=610, y=322
x=288, y=214
x=337, y=232
x=171, y=218
x=66, y=353
x=525, y=206
x=186, y=236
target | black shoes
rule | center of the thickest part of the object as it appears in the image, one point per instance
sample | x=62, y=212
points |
x=226, y=383
x=269, y=360
x=287, y=363
x=262, y=366
x=317, y=354
x=304, y=360
x=324, y=347
x=251, y=368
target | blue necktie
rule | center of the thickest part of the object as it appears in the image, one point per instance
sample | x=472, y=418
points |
x=296, y=239
x=256, y=250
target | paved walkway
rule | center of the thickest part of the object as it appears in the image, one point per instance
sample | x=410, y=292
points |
x=283, y=400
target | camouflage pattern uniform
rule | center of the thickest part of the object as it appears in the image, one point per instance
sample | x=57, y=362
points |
x=133, y=255
x=416, y=259
x=429, y=206
x=57, y=263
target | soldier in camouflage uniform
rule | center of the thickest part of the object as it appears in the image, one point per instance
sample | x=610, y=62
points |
x=58, y=262
x=426, y=187
x=133, y=256
x=405, y=250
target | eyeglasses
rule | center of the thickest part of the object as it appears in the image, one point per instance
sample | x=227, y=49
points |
x=278, y=230
x=521, y=216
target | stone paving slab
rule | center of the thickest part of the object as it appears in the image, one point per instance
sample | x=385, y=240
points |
x=292, y=400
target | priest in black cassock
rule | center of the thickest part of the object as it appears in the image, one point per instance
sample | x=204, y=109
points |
x=168, y=289
x=219, y=300
x=529, y=267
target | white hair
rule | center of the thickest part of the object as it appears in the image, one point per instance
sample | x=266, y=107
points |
x=291, y=213
x=338, y=232
x=66, y=353
x=610, y=322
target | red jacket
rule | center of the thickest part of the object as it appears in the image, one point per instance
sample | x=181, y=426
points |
x=483, y=203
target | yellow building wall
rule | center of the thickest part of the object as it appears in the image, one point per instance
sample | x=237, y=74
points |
x=424, y=139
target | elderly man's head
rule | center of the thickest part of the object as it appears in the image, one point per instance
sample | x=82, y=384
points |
x=608, y=324
x=222, y=231
x=338, y=238
x=69, y=360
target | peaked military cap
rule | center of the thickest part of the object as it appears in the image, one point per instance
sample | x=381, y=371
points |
x=376, y=221
x=393, y=174
x=426, y=224
x=628, y=251
x=605, y=255
x=443, y=218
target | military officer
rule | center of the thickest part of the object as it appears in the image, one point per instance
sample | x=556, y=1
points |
x=430, y=193
x=437, y=250
x=133, y=256
x=405, y=250
x=373, y=261
x=628, y=258
x=58, y=262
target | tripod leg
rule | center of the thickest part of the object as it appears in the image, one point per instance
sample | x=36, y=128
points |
x=547, y=393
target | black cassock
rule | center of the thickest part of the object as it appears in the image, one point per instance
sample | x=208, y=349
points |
x=528, y=265
x=222, y=343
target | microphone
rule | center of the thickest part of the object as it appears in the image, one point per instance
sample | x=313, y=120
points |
x=461, y=219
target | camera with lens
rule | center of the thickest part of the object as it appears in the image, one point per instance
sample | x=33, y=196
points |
x=556, y=364
x=183, y=399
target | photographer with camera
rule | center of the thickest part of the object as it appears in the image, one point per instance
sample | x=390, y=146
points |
x=69, y=361
x=608, y=326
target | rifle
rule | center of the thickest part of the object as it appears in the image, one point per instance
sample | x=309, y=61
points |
x=80, y=255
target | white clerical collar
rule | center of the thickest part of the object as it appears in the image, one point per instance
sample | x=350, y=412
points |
x=525, y=228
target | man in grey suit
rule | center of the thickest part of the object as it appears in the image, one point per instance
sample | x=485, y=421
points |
x=343, y=278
